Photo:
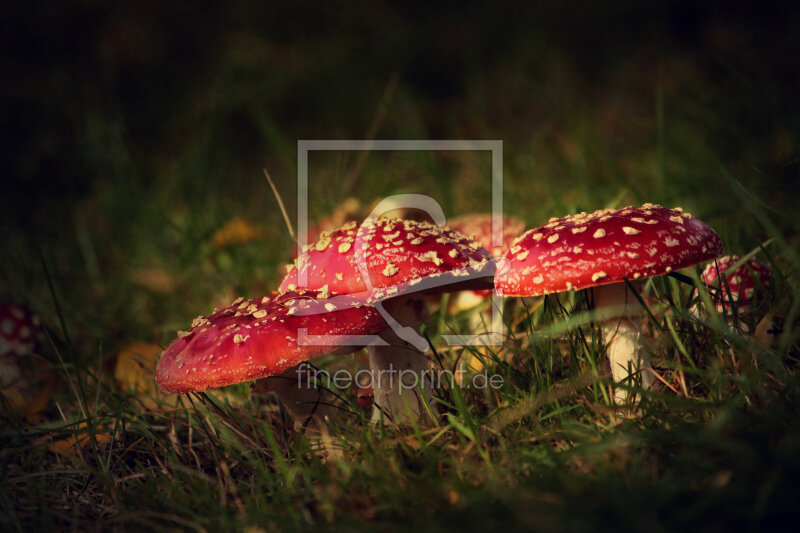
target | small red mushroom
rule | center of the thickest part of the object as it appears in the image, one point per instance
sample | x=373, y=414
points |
x=254, y=339
x=602, y=250
x=397, y=256
x=743, y=282
x=18, y=338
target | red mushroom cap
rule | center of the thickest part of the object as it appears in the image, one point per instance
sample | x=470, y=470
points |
x=18, y=328
x=741, y=282
x=478, y=226
x=253, y=339
x=400, y=255
x=608, y=246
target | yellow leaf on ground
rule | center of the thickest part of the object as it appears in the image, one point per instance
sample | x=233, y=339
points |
x=72, y=444
x=135, y=372
x=154, y=278
x=14, y=398
x=40, y=398
x=31, y=394
x=136, y=365
x=236, y=231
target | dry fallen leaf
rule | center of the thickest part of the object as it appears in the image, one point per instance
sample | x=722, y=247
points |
x=71, y=445
x=154, y=278
x=13, y=398
x=31, y=394
x=40, y=398
x=236, y=231
x=135, y=366
x=134, y=372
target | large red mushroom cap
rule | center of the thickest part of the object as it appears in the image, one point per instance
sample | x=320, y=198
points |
x=253, y=339
x=398, y=255
x=741, y=282
x=608, y=246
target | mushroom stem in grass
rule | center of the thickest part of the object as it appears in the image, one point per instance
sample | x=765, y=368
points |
x=297, y=390
x=601, y=250
x=400, y=372
x=626, y=354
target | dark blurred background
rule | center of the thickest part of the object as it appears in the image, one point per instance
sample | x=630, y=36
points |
x=132, y=132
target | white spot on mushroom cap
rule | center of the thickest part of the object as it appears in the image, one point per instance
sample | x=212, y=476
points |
x=431, y=256
x=390, y=270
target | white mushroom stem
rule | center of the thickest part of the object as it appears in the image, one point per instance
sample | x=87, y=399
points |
x=621, y=333
x=399, y=371
x=296, y=389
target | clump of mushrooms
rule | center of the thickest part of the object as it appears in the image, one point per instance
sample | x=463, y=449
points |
x=391, y=263
x=603, y=251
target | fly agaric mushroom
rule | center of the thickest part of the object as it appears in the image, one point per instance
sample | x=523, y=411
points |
x=254, y=339
x=744, y=282
x=18, y=329
x=393, y=261
x=742, y=295
x=25, y=382
x=600, y=251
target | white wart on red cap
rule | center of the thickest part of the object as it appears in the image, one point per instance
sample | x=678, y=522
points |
x=18, y=329
x=741, y=282
x=478, y=226
x=608, y=246
x=399, y=254
x=253, y=339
